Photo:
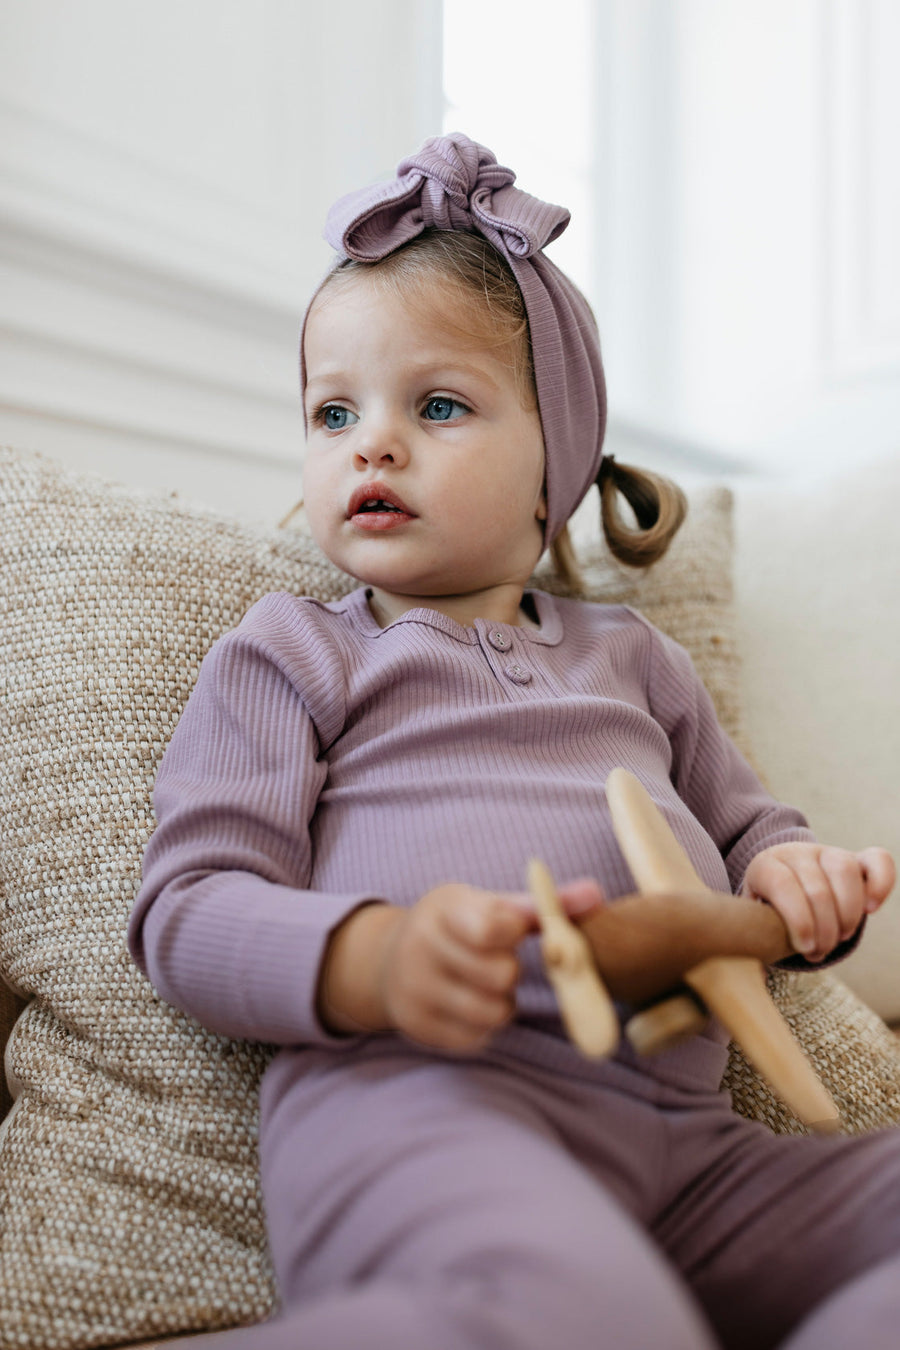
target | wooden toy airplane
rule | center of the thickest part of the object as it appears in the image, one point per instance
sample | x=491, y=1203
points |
x=676, y=931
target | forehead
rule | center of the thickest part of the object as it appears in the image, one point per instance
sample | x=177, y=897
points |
x=357, y=325
x=427, y=303
x=425, y=316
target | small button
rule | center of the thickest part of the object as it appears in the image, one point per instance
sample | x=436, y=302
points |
x=518, y=674
x=500, y=641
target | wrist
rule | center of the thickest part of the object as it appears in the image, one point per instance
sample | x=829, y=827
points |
x=350, y=997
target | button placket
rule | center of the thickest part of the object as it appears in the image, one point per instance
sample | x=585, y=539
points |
x=505, y=644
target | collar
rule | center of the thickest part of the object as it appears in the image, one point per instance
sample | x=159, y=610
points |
x=549, y=633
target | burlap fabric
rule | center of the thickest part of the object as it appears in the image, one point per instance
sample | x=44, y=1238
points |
x=129, y=1205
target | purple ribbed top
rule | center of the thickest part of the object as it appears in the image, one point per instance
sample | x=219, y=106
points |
x=323, y=762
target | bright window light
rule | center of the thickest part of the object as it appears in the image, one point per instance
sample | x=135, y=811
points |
x=517, y=78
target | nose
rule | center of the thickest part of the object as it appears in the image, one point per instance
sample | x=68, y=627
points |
x=380, y=440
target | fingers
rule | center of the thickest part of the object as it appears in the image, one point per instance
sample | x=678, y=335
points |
x=879, y=876
x=771, y=878
x=450, y=973
x=481, y=920
x=578, y=898
x=489, y=971
x=451, y=979
x=462, y=1019
x=847, y=899
x=821, y=893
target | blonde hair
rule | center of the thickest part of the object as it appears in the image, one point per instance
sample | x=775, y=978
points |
x=491, y=313
x=659, y=507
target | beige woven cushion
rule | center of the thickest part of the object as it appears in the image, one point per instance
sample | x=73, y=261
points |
x=128, y=1190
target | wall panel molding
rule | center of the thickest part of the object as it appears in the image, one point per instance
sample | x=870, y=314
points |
x=94, y=337
x=78, y=188
x=164, y=178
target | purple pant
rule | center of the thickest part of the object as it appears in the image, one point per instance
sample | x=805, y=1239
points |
x=416, y=1203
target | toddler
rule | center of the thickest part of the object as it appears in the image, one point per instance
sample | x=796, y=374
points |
x=347, y=808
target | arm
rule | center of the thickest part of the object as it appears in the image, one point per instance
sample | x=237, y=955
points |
x=708, y=772
x=225, y=924
x=823, y=894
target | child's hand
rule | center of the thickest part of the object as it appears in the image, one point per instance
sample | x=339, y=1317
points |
x=449, y=966
x=449, y=969
x=821, y=893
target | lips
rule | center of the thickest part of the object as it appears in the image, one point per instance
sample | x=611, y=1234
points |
x=376, y=505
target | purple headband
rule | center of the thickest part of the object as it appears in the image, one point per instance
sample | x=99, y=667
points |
x=455, y=184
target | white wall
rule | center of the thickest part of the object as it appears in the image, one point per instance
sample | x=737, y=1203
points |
x=165, y=169
x=748, y=212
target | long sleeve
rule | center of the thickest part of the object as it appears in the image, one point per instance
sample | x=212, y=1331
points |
x=709, y=773
x=717, y=784
x=225, y=925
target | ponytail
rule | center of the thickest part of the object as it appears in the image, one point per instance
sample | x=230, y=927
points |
x=659, y=508
x=658, y=504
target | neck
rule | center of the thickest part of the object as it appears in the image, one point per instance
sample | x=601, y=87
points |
x=499, y=604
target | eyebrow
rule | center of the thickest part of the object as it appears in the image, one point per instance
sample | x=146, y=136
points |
x=454, y=368
x=337, y=373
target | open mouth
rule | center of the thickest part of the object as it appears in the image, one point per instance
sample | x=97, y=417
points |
x=378, y=504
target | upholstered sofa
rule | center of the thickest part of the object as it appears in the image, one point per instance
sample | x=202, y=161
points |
x=129, y=1207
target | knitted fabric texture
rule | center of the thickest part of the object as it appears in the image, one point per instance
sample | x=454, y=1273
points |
x=129, y=1201
x=455, y=184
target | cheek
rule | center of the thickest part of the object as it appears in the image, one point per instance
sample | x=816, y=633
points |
x=515, y=489
x=317, y=467
x=532, y=468
x=315, y=491
x=510, y=509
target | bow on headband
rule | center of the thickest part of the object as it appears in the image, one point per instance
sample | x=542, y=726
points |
x=455, y=184
x=451, y=184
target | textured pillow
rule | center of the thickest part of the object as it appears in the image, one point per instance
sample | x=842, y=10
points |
x=129, y=1205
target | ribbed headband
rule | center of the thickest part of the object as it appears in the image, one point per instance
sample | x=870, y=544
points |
x=455, y=184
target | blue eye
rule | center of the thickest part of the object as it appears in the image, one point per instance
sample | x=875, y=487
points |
x=442, y=409
x=336, y=418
